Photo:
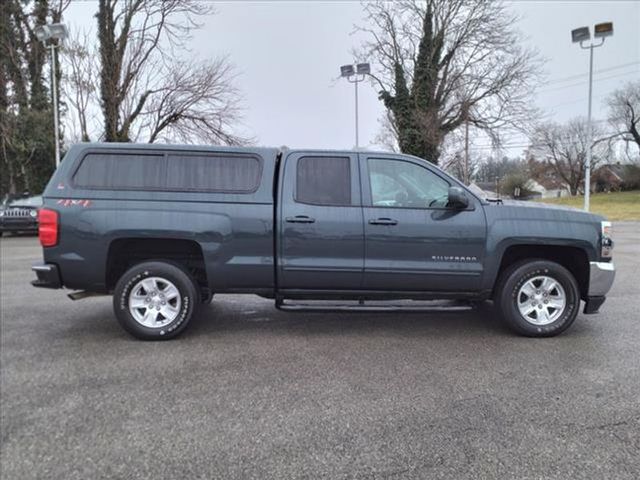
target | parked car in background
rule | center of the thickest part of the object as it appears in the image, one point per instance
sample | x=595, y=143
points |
x=19, y=214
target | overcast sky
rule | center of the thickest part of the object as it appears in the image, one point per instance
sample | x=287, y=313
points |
x=288, y=55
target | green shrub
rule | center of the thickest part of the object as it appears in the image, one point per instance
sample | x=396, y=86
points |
x=631, y=177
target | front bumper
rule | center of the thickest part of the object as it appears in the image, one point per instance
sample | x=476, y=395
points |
x=601, y=276
x=48, y=276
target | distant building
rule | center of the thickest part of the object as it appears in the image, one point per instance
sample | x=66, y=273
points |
x=548, y=188
x=484, y=189
x=608, y=178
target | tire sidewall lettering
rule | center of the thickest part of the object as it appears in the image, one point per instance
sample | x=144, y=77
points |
x=570, y=304
x=185, y=307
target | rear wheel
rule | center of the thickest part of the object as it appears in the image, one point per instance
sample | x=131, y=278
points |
x=538, y=298
x=155, y=300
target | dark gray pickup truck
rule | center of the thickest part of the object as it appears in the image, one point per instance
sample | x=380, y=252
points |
x=164, y=228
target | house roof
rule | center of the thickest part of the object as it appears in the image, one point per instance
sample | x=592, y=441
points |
x=551, y=182
x=615, y=169
x=487, y=186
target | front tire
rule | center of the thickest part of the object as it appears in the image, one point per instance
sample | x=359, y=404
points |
x=538, y=298
x=155, y=300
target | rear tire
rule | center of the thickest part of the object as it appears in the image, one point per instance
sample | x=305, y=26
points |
x=537, y=298
x=155, y=300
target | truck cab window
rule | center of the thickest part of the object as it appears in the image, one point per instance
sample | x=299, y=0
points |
x=396, y=183
x=323, y=181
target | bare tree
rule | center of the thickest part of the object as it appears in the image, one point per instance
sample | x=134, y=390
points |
x=80, y=88
x=145, y=93
x=624, y=113
x=388, y=135
x=564, y=148
x=445, y=62
x=196, y=102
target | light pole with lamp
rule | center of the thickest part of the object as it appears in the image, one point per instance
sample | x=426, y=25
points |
x=355, y=76
x=581, y=35
x=44, y=33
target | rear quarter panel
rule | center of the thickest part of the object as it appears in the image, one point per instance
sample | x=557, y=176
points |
x=234, y=231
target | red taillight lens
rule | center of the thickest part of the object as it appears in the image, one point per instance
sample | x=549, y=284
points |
x=48, y=227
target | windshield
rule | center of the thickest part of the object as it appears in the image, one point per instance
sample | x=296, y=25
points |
x=26, y=202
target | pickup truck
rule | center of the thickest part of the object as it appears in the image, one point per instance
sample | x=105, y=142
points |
x=165, y=227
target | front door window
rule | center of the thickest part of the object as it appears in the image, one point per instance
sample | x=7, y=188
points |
x=397, y=183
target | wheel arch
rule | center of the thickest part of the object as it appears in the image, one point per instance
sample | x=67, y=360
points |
x=123, y=253
x=574, y=259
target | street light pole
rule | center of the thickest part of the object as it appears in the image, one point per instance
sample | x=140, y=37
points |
x=357, y=138
x=54, y=88
x=355, y=76
x=587, y=167
x=49, y=33
x=581, y=35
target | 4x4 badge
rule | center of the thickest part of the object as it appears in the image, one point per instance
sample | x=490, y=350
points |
x=67, y=202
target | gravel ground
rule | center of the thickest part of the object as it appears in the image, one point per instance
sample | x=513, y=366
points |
x=250, y=392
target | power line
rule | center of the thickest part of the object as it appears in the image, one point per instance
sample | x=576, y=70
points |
x=585, y=81
x=596, y=72
x=581, y=99
x=516, y=145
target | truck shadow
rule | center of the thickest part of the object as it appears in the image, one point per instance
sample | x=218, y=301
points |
x=221, y=317
x=231, y=316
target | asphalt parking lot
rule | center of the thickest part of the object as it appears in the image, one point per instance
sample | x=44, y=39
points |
x=250, y=392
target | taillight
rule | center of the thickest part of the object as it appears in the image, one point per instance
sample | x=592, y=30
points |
x=48, y=227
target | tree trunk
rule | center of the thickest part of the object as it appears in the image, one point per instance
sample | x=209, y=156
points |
x=430, y=152
x=109, y=77
x=635, y=134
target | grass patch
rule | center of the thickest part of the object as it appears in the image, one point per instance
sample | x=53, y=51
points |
x=615, y=206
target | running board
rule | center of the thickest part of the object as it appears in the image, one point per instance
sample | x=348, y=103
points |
x=373, y=305
x=84, y=294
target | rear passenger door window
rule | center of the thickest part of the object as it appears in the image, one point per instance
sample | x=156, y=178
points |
x=323, y=180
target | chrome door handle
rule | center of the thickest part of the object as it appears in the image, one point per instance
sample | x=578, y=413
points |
x=300, y=219
x=383, y=221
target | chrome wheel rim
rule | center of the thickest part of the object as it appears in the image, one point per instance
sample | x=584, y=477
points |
x=154, y=302
x=541, y=300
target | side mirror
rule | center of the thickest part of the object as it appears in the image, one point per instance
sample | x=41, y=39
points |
x=457, y=198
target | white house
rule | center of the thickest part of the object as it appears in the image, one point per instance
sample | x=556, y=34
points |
x=550, y=191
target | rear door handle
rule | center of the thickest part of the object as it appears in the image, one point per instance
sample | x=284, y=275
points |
x=300, y=219
x=383, y=221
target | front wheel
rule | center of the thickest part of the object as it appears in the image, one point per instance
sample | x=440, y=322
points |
x=155, y=300
x=538, y=298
